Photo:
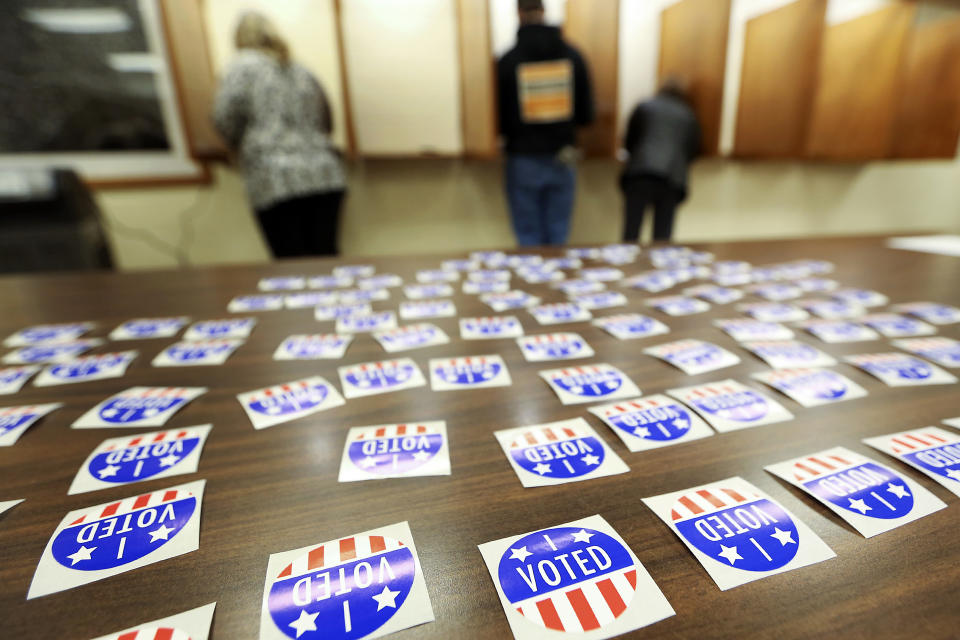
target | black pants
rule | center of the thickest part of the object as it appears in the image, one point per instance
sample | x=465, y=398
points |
x=304, y=226
x=641, y=192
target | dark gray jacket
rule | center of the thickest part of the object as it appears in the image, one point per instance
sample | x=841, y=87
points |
x=663, y=138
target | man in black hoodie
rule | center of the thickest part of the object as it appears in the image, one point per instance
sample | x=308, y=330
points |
x=544, y=94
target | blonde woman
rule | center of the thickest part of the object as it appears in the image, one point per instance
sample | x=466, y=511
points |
x=275, y=115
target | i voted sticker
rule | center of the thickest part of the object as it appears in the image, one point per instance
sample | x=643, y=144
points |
x=354, y=296
x=630, y=326
x=149, y=328
x=46, y=333
x=900, y=369
x=420, y=310
x=737, y=532
x=652, y=422
x=98, y=542
x=601, y=274
x=367, y=323
x=579, y=287
x=871, y=497
x=776, y=292
x=282, y=283
x=558, y=452
x=490, y=328
x=396, y=451
x=694, y=357
x=469, y=372
x=589, y=383
x=568, y=262
x=789, y=354
x=514, y=299
x=329, y=282
x=728, y=405
x=560, y=313
x=714, y=294
x=572, y=579
x=371, y=378
x=86, y=368
x=435, y=276
x=490, y=275
x=414, y=336
x=931, y=450
x=46, y=353
x=650, y=281
x=812, y=387
x=600, y=300
x=146, y=456
x=366, y=585
x=817, y=285
x=310, y=299
x=893, y=325
x=236, y=328
x=539, y=276
x=321, y=346
x=837, y=331
x=337, y=311
x=833, y=309
x=197, y=353
x=584, y=253
x=380, y=281
x=862, y=297
x=244, y=304
x=523, y=260
x=424, y=291
x=354, y=271
x=554, y=346
x=281, y=403
x=189, y=625
x=774, y=311
x=12, y=379
x=476, y=288
x=931, y=312
x=139, y=407
x=745, y=329
x=14, y=421
x=943, y=351
x=678, y=305
x=469, y=264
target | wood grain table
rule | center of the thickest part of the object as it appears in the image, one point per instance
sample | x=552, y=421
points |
x=276, y=489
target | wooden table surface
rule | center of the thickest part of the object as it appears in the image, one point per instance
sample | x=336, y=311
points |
x=276, y=489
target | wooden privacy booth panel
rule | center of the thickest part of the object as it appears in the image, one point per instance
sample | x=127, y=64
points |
x=856, y=100
x=778, y=80
x=593, y=27
x=693, y=43
x=928, y=115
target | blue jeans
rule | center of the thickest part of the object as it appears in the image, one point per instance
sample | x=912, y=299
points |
x=540, y=192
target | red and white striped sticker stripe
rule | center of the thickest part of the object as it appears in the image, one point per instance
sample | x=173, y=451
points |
x=128, y=505
x=633, y=405
x=577, y=370
x=585, y=607
x=209, y=344
x=155, y=633
x=787, y=374
x=553, y=337
x=279, y=389
x=815, y=466
x=409, y=329
x=543, y=435
x=455, y=362
x=394, y=431
x=176, y=434
x=707, y=500
x=880, y=358
x=679, y=345
x=155, y=392
x=710, y=390
x=19, y=411
x=370, y=366
x=915, y=440
x=339, y=551
x=917, y=344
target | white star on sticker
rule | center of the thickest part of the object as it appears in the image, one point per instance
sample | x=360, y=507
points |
x=729, y=554
x=590, y=459
x=306, y=622
x=898, y=490
x=859, y=505
x=642, y=432
x=109, y=413
x=785, y=537
x=386, y=598
x=582, y=536
x=954, y=473
x=108, y=471
x=681, y=424
x=83, y=553
x=368, y=462
x=519, y=554
x=542, y=468
x=169, y=461
x=161, y=533
x=420, y=456
x=149, y=413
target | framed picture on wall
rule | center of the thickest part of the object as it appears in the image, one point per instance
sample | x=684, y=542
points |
x=88, y=85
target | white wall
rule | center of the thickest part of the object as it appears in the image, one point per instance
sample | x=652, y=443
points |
x=402, y=63
x=504, y=21
x=309, y=27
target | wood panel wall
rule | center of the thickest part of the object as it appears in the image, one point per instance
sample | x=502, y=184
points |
x=778, y=80
x=477, y=79
x=855, y=105
x=928, y=112
x=693, y=43
x=593, y=26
